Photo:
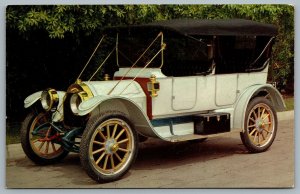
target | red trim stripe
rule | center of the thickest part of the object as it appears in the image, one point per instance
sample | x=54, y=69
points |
x=143, y=83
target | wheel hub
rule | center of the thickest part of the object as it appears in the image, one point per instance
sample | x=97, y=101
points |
x=111, y=146
x=260, y=125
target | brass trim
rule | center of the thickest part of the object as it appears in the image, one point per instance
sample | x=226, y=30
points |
x=78, y=87
x=80, y=90
x=52, y=102
x=151, y=86
x=163, y=44
x=106, y=77
x=83, y=96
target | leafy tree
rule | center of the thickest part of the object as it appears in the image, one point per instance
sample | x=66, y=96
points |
x=60, y=38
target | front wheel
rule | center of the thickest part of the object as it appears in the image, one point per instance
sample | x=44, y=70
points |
x=42, y=146
x=108, y=147
x=260, y=125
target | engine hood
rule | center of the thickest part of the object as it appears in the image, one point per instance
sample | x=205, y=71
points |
x=125, y=88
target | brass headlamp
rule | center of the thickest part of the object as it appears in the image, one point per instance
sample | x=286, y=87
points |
x=49, y=99
x=153, y=86
x=76, y=99
x=80, y=92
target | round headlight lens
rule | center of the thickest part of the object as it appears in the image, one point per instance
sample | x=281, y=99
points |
x=76, y=99
x=49, y=99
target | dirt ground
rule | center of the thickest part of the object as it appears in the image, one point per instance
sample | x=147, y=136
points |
x=220, y=162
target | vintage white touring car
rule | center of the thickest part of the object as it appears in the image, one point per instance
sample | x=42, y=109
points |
x=175, y=80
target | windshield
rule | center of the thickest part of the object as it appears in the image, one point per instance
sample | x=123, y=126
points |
x=139, y=47
x=183, y=55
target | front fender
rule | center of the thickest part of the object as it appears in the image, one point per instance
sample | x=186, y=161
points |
x=243, y=101
x=88, y=106
x=135, y=110
x=31, y=99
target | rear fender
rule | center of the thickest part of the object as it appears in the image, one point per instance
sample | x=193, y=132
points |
x=250, y=93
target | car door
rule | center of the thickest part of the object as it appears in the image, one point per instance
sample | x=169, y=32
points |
x=184, y=93
x=226, y=89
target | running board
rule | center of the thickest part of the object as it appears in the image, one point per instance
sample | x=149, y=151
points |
x=178, y=138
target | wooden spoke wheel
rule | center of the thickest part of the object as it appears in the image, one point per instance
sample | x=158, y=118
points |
x=108, y=147
x=42, y=147
x=260, y=125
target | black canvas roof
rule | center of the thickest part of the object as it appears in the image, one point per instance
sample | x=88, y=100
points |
x=229, y=27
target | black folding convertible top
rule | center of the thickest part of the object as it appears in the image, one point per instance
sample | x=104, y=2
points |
x=228, y=27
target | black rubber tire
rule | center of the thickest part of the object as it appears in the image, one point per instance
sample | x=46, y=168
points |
x=142, y=138
x=27, y=148
x=245, y=135
x=85, y=158
x=197, y=140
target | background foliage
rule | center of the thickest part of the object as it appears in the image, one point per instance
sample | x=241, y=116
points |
x=48, y=45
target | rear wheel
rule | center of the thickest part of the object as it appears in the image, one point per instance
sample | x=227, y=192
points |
x=260, y=125
x=108, y=147
x=41, y=147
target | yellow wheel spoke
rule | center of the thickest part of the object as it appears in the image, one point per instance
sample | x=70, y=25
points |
x=36, y=140
x=105, y=162
x=119, y=158
x=47, y=147
x=48, y=131
x=101, y=134
x=114, y=131
x=112, y=161
x=258, y=112
x=41, y=145
x=268, y=123
x=121, y=132
x=98, y=142
x=266, y=116
x=262, y=113
x=108, y=132
x=123, y=141
x=266, y=130
x=99, y=159
x=252, y=131
x=263, y=136
x=53, y=146
x=256, y=133
x=123, y=150
x=258, y=140
x=253, y=120
x=249, y=126
x=97, y=151
x=254, y=114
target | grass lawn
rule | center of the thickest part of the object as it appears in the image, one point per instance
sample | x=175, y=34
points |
x=13, y=132
x=289, y=102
